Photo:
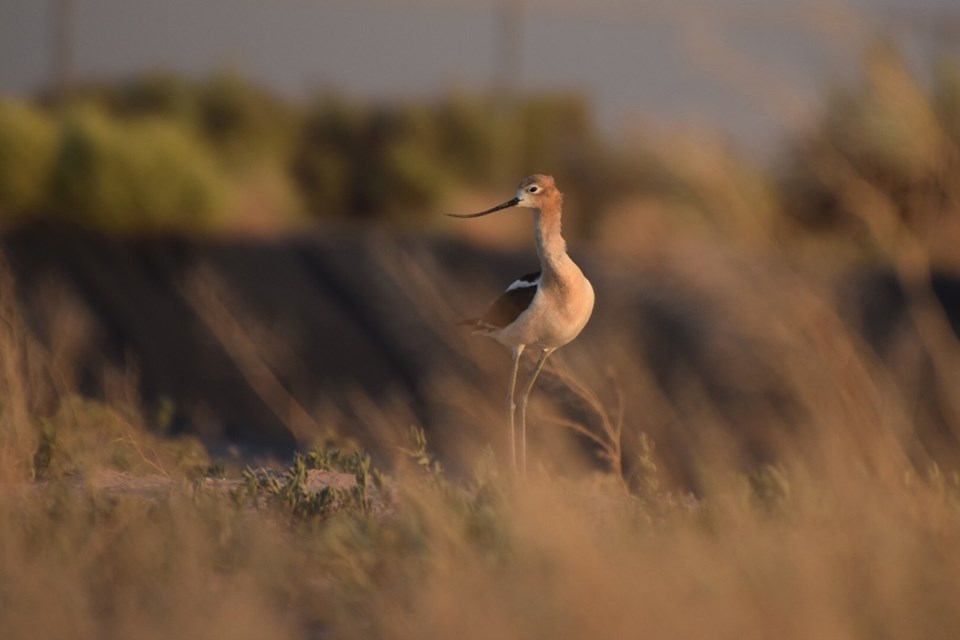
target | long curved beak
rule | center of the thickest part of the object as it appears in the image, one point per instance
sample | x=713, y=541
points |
x=505, y=205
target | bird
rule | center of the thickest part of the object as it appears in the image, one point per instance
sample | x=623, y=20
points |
x=541, y=311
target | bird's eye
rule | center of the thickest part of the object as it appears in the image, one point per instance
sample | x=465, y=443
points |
x=533, y=189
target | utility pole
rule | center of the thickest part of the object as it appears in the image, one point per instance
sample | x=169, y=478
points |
x=509, y=46
x=508, y=55
x=62, y=48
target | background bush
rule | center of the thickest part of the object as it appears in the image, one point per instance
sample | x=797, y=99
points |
x=886, y=142
x=27, y=145
x=159, y=151
x=128, y=176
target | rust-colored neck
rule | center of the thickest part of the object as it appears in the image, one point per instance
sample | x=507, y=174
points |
x=551, y=246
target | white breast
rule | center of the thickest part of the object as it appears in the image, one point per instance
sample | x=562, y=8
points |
x=554, y=318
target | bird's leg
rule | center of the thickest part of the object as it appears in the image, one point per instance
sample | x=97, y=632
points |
x=523, y=408
x=511, y=405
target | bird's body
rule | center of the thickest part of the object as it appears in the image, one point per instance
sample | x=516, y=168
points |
x=543, y=310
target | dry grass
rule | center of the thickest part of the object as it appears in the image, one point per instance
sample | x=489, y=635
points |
x=779, y=553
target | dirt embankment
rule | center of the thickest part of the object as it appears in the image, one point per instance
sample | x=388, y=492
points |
x=265, y=341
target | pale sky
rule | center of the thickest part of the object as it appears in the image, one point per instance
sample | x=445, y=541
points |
x=748, y=68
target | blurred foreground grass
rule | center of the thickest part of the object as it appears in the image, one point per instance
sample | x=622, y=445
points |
x=110, y=528
x=779, y=552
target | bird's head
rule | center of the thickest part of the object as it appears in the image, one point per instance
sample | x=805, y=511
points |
x=533, y=192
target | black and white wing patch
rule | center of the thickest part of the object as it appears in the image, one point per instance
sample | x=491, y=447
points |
x=511, y=304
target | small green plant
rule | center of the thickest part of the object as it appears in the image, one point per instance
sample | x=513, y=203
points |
x=769, y=489
x=420, y=454
x=292, y=488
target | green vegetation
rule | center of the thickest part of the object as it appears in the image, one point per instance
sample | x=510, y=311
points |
x=161, y=152
x=27, y=147
x=138, y=176
x=292, y=489
x=331, y=157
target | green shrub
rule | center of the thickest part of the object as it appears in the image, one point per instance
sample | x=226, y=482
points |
x=133, y=176
x=471, y=138
x=27, y=144
x=324, y=162
x=242, y=123
x=410, y=174
x=401, y=159
x=371, y=162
